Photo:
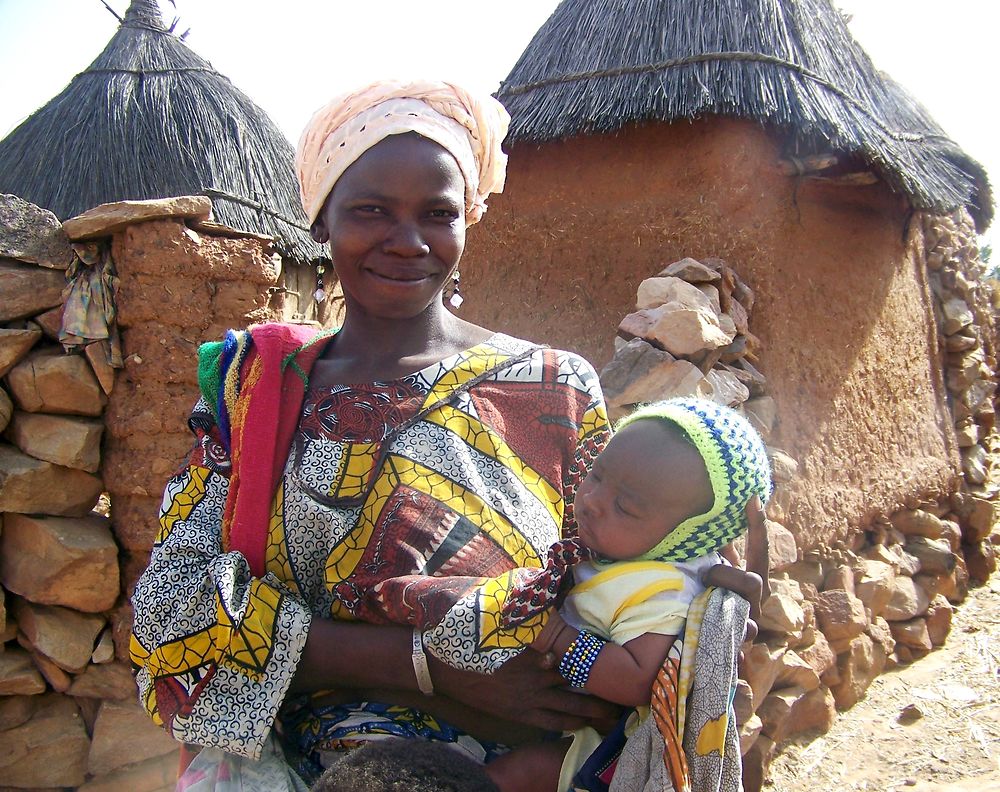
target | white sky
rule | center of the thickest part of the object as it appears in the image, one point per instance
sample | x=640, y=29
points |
x=291, y=57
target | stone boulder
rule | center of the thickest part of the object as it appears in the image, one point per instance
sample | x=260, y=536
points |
x=783, y=467
x=158, y=774
x=762, y=412
x=50, y=322
x=640, y=373
x=978, y=518
x=935, y=555
x=32, y=234
x=840, y=615
x=796, y=672
x=33, y=486
x=109, y=681
x=691, y=270
x=906, y=600
x=18, y=675
x=15, y=710
x=50, y=750
x=760, y=667
x=818, y=655
x=881, y=633
x=60, y=561
x=28, y=290
x=913, y=635
x=51, y=382
x=756, y=760
x=749, y=731
x=119, y=724
x=775, y=710
x=917, y=522
x=939, y=620
x=957, y=315
x=724, y=388
x=743, y=701
x=780, y=613
x=955, y=587
x=106, y=219
x=6, y=409
x=816, y=712
x=70, y=442
x=654, y=292
x=14, y=345
x=874, y=587
x=980, y=561
x=64, y=636
x=792, y=711
x=976, y=464
x=863, y=661
x=678, y=328
x=783, y=550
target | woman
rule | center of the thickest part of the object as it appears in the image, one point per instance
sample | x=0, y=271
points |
x=336, y=475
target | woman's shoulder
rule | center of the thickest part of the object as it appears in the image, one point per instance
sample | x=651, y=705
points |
x=569, y=363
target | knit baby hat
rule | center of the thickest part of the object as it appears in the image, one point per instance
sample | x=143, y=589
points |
x=737, y=465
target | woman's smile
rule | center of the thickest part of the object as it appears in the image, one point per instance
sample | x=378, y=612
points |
x=399, y=274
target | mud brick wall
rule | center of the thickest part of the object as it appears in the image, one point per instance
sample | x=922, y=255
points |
x=86, y=450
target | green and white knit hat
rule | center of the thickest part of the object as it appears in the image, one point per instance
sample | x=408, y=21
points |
x=737, y=465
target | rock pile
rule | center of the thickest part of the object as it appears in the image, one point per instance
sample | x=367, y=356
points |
x=689, y=336
x=67, y=699
x=838, y=615
x=965, y=322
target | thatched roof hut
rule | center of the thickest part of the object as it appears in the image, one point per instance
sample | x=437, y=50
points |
x=757, y=132
x=598, y=65
x=150, y=119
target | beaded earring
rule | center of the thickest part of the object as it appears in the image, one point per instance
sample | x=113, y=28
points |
x=456, y=299
x=320, y=294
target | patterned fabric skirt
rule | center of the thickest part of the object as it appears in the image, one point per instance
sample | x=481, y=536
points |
x=314, y=734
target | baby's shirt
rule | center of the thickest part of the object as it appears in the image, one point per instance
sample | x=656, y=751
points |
x=621, y=600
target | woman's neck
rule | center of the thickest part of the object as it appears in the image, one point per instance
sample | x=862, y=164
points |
x=369, y=348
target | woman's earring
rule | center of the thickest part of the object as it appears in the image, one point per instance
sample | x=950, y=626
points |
x=456, y=299
x=320, y=294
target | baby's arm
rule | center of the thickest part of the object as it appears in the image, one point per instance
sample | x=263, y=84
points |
x=747, y=584
x=622, y=674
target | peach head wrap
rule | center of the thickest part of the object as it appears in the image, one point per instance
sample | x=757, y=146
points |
x=470, y=128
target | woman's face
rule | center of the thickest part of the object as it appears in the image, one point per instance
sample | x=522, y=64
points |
x=395, y=221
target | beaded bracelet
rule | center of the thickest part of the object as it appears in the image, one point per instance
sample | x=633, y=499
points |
x=580, y=658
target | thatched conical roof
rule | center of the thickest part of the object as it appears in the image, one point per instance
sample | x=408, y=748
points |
x=598, y=65
x=151, y=119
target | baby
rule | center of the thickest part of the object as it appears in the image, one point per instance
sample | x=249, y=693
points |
x=398, y=765
x=667, y=494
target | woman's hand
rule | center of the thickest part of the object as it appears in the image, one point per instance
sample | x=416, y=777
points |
x=524, y=691
x=751, y=583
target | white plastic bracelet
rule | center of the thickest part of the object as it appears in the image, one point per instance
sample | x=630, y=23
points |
x=420, y=664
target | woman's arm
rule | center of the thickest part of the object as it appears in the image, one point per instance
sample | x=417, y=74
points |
x=376, y=661
x=214, y=647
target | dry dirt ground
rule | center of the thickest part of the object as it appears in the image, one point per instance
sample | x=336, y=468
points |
x=933, y=726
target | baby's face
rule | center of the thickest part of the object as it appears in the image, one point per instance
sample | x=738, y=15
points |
x=643, y=485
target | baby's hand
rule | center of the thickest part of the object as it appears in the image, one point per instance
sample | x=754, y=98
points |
x=752, y=583
x=550, y=632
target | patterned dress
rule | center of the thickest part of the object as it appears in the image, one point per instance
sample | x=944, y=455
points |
x=472, y=490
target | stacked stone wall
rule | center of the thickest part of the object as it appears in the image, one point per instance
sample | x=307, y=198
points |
x=86, y=450
x=843, y=611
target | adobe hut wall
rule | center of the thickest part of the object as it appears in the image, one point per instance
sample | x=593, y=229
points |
x=843, y=308
x=75, y=427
